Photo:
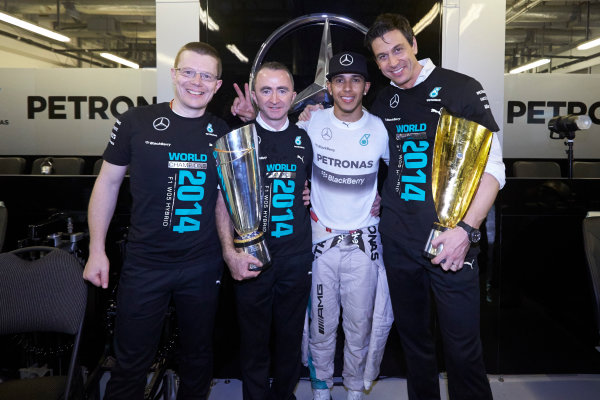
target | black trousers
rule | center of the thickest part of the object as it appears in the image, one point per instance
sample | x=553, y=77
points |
x=142, y=301
x=412, y=279
x=273, y=303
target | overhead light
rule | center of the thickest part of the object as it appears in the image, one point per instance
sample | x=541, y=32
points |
x=529, y=66
x=33, y=28
x=120, y=60
x=427, y=19
x=236, y=52
x=589, y=45
x=205, y=18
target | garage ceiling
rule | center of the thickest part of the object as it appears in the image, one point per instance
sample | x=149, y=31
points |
x=535, y=29
x=552, y=29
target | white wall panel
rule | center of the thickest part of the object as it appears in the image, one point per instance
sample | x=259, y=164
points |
x=473, y=44
x=532, y=99
x=177, y=23
x=66, y=111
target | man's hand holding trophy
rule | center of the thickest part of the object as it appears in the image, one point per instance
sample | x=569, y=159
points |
x=239, y=172
x=459, y=157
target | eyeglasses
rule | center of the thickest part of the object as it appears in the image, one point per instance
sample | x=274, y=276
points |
x=189, y=73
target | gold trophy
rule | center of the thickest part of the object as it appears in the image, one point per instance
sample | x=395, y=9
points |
x=459, y=157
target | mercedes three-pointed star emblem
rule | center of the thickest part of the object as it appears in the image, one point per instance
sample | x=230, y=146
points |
x=394, y=101
x=316, y=92
x=161, y=123
x=346, y=60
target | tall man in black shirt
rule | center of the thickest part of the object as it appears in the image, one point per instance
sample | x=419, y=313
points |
x=410, y=108
x=275, y=299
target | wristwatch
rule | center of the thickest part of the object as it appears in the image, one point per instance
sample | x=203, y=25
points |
x=473, y=233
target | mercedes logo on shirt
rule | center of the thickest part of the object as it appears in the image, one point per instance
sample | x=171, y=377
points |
x=161, y=123
x=346, y=60
x=326, y=134
x=394, y=101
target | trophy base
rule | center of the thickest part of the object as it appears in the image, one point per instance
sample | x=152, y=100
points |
x=430, y=251
x=254, y=244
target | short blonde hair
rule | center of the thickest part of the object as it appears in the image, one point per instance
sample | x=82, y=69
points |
x=201, y=48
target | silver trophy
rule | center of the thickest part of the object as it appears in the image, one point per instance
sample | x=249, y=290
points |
x=237, y=164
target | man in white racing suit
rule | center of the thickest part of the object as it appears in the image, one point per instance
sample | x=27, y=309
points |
x=348, y=143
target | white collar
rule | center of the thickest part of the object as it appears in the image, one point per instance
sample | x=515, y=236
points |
x=262, y=123
x=428, y=67
x=349, y=125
